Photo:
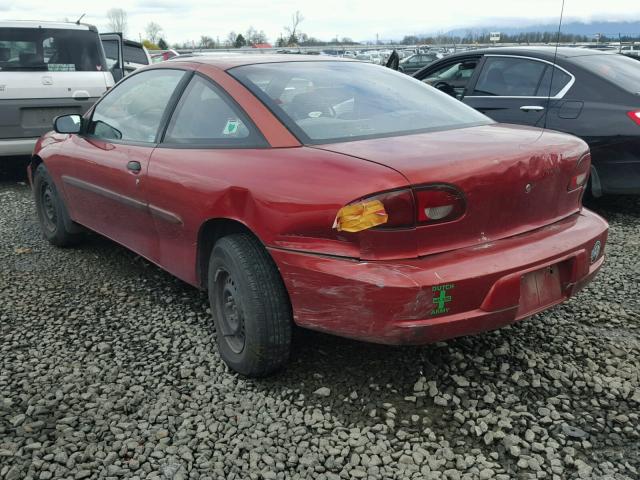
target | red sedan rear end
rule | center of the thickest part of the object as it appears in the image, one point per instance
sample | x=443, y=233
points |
x=338, y=196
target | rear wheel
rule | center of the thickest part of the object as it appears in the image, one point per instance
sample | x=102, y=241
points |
x=52, y=213
x=250, y=306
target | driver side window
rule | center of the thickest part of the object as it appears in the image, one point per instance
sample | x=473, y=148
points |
x=133, y=110
x=453, y=77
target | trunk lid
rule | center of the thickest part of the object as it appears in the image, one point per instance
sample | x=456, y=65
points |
x=514, y=180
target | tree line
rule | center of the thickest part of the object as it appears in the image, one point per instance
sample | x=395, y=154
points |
x=292, y=36
x=471, y=37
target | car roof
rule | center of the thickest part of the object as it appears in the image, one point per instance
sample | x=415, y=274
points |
x=547, y=53
x=45, y=24
x=230, y=60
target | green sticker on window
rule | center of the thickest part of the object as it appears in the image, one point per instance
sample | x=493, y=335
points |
x=231, y=127
x=442, y=295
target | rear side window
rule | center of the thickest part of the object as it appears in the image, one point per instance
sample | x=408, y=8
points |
x=50, y=49
x=617, y=69
x=510, y=77
x=560, y=80
x=205, y=116
x=133, y=110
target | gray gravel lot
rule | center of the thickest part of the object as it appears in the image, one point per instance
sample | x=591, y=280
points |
x=108, y=370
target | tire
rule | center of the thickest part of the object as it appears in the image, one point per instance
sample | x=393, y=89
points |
x=55, y=223
x=250, y=306
x=588, y=198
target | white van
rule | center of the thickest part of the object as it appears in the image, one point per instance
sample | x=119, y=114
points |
x=46, y=69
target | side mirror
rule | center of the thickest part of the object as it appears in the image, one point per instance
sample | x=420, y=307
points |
x=67, y=124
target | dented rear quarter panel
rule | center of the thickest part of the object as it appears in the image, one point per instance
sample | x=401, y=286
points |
x=288, y=197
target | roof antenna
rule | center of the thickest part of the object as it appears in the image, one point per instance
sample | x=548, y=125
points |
x=81, y=17
x=553, y=68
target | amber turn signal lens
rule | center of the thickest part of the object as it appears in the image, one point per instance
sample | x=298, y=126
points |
x=360, y=216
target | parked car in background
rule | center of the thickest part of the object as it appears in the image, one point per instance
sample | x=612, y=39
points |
x=595, y=95
x=123, y=56
x=415, y=62
x=46, y=69
x=631, y=51
x=164, y=55
x=333, y=194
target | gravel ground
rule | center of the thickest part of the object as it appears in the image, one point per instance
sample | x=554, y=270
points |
x=108, y=370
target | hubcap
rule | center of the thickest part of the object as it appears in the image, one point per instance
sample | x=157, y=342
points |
x=48, y=207
x=231, y=316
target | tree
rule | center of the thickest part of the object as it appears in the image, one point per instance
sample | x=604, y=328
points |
x=292, y=30
x=162, y=44
x=149, y=45
x=231, y=39
x=240, y=41
x=153, y=31
x=253, y=36
x=207, y=42
x=117, y=20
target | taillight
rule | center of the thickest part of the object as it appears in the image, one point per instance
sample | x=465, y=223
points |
x=439, y=203
x=580, y=175
x=635, y=116
x=393, y=209
x=400, y=208
x=404, y=208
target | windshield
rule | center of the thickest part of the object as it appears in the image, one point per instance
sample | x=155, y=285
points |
x=325, y=102
x=50, y=49
x=618, y=69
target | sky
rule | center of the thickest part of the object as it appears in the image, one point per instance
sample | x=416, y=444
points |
x=361, y=20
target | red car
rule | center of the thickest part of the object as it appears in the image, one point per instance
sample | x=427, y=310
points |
x=334, y=195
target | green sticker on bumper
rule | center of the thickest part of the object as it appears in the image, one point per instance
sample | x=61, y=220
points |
x=442, y=296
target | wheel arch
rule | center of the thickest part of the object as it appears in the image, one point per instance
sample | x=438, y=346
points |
x=70, y=225
x=35, y=161
x=209, y=233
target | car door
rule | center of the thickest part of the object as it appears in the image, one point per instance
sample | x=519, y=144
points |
x=106, y=181
x=113, y=51
x=513, y=89
x=208, y=132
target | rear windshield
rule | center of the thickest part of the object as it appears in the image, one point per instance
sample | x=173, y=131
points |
x=135, y=54
x=50, y=49
x=325, y=102
x=618, y=69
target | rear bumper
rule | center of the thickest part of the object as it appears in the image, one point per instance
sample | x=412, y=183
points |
x=442, y=296
x=17, y=146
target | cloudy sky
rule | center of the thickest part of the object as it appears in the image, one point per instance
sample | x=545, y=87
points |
x=185, y=20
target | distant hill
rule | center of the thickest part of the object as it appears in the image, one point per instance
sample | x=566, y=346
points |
x=610, y=29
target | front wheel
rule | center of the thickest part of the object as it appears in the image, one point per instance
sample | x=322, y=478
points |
x=52, y=212
x=250, y=306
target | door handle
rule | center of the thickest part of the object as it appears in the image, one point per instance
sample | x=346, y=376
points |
x=81, y=95
x=532, y=108
x=134, y=166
